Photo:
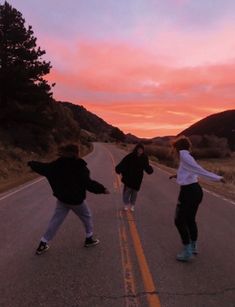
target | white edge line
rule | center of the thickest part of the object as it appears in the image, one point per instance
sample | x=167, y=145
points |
x=20, y=189
x=219, y=196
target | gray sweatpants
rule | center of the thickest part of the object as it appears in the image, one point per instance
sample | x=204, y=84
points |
x=60, y=213
x=129, y=195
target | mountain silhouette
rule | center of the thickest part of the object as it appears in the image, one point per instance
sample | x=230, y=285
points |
x=220, y=124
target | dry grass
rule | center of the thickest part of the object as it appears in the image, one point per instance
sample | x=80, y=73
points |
x=225, y=168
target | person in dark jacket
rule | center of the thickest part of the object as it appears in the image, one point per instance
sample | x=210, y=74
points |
x=69, y=179
x=132, y=169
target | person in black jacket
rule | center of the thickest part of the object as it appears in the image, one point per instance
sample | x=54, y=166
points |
x=69, y=179
x=132, y=169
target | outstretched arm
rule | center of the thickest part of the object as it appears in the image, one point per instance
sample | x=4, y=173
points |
x=96, y=187
x=92, y=185
x=40, y=167
x=192, y=166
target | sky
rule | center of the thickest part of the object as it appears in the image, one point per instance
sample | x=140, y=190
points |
x=150, y=67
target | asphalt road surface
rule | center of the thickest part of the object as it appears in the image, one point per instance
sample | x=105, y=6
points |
x=134, y=265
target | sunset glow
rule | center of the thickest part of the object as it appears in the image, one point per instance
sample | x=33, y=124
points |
x=150, y=67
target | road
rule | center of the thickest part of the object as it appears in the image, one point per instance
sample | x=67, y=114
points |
x=134, y=265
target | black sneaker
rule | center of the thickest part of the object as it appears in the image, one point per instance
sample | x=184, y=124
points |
x=42, y=248
x=91, y=242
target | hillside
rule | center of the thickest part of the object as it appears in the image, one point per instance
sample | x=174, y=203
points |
x=219, y=124
x=91, y=122
x=36, y=126
x=32, y=123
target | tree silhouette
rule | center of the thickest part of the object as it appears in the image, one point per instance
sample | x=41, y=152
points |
x=21, y=66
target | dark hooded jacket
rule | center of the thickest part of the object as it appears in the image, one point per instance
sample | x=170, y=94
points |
x=132, y=168
x=69, y=179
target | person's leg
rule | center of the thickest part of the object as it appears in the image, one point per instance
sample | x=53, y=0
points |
x=57, y=219
x=126, y=196
x=181, y=218
x=197, y=196
x=84, y=213
x=191, y=221
x=133, y=198
x=181, y=224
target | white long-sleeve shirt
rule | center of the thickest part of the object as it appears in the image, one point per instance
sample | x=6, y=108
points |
x=189, y=170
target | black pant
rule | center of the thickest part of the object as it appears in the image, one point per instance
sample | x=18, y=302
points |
x=190, y=197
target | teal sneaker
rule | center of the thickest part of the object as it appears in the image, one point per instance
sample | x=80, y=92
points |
x=186, y=253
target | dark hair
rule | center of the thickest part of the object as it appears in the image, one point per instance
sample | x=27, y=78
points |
x=182, y=143
x=70, y=149
x=139, y=145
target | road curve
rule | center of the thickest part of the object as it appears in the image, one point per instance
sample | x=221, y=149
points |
x=134, y=265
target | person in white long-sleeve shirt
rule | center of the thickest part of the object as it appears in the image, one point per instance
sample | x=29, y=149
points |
x=190, y=196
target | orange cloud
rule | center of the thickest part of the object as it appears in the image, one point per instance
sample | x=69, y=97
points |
x=129, y=88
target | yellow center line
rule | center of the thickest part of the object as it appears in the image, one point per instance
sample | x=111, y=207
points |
x=129, y=281
x=152, y=297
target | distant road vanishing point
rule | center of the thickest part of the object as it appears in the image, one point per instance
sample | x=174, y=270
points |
x=134, y=265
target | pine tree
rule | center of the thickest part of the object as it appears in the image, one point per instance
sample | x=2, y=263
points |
x=21, y=66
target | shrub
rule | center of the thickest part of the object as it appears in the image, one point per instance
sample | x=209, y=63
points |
x=210, y=153
x=162, y=153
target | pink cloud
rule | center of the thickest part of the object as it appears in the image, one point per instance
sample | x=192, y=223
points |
x=188, y=47
x=127, y=87
x=180, y=2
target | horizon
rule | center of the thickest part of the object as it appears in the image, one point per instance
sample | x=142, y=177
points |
x=156, y=136
x=151, y=68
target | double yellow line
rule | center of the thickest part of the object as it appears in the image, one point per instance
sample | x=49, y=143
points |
x=129, y=280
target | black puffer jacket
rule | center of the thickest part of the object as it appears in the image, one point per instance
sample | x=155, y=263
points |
x=132, y=169
x=69, y=179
